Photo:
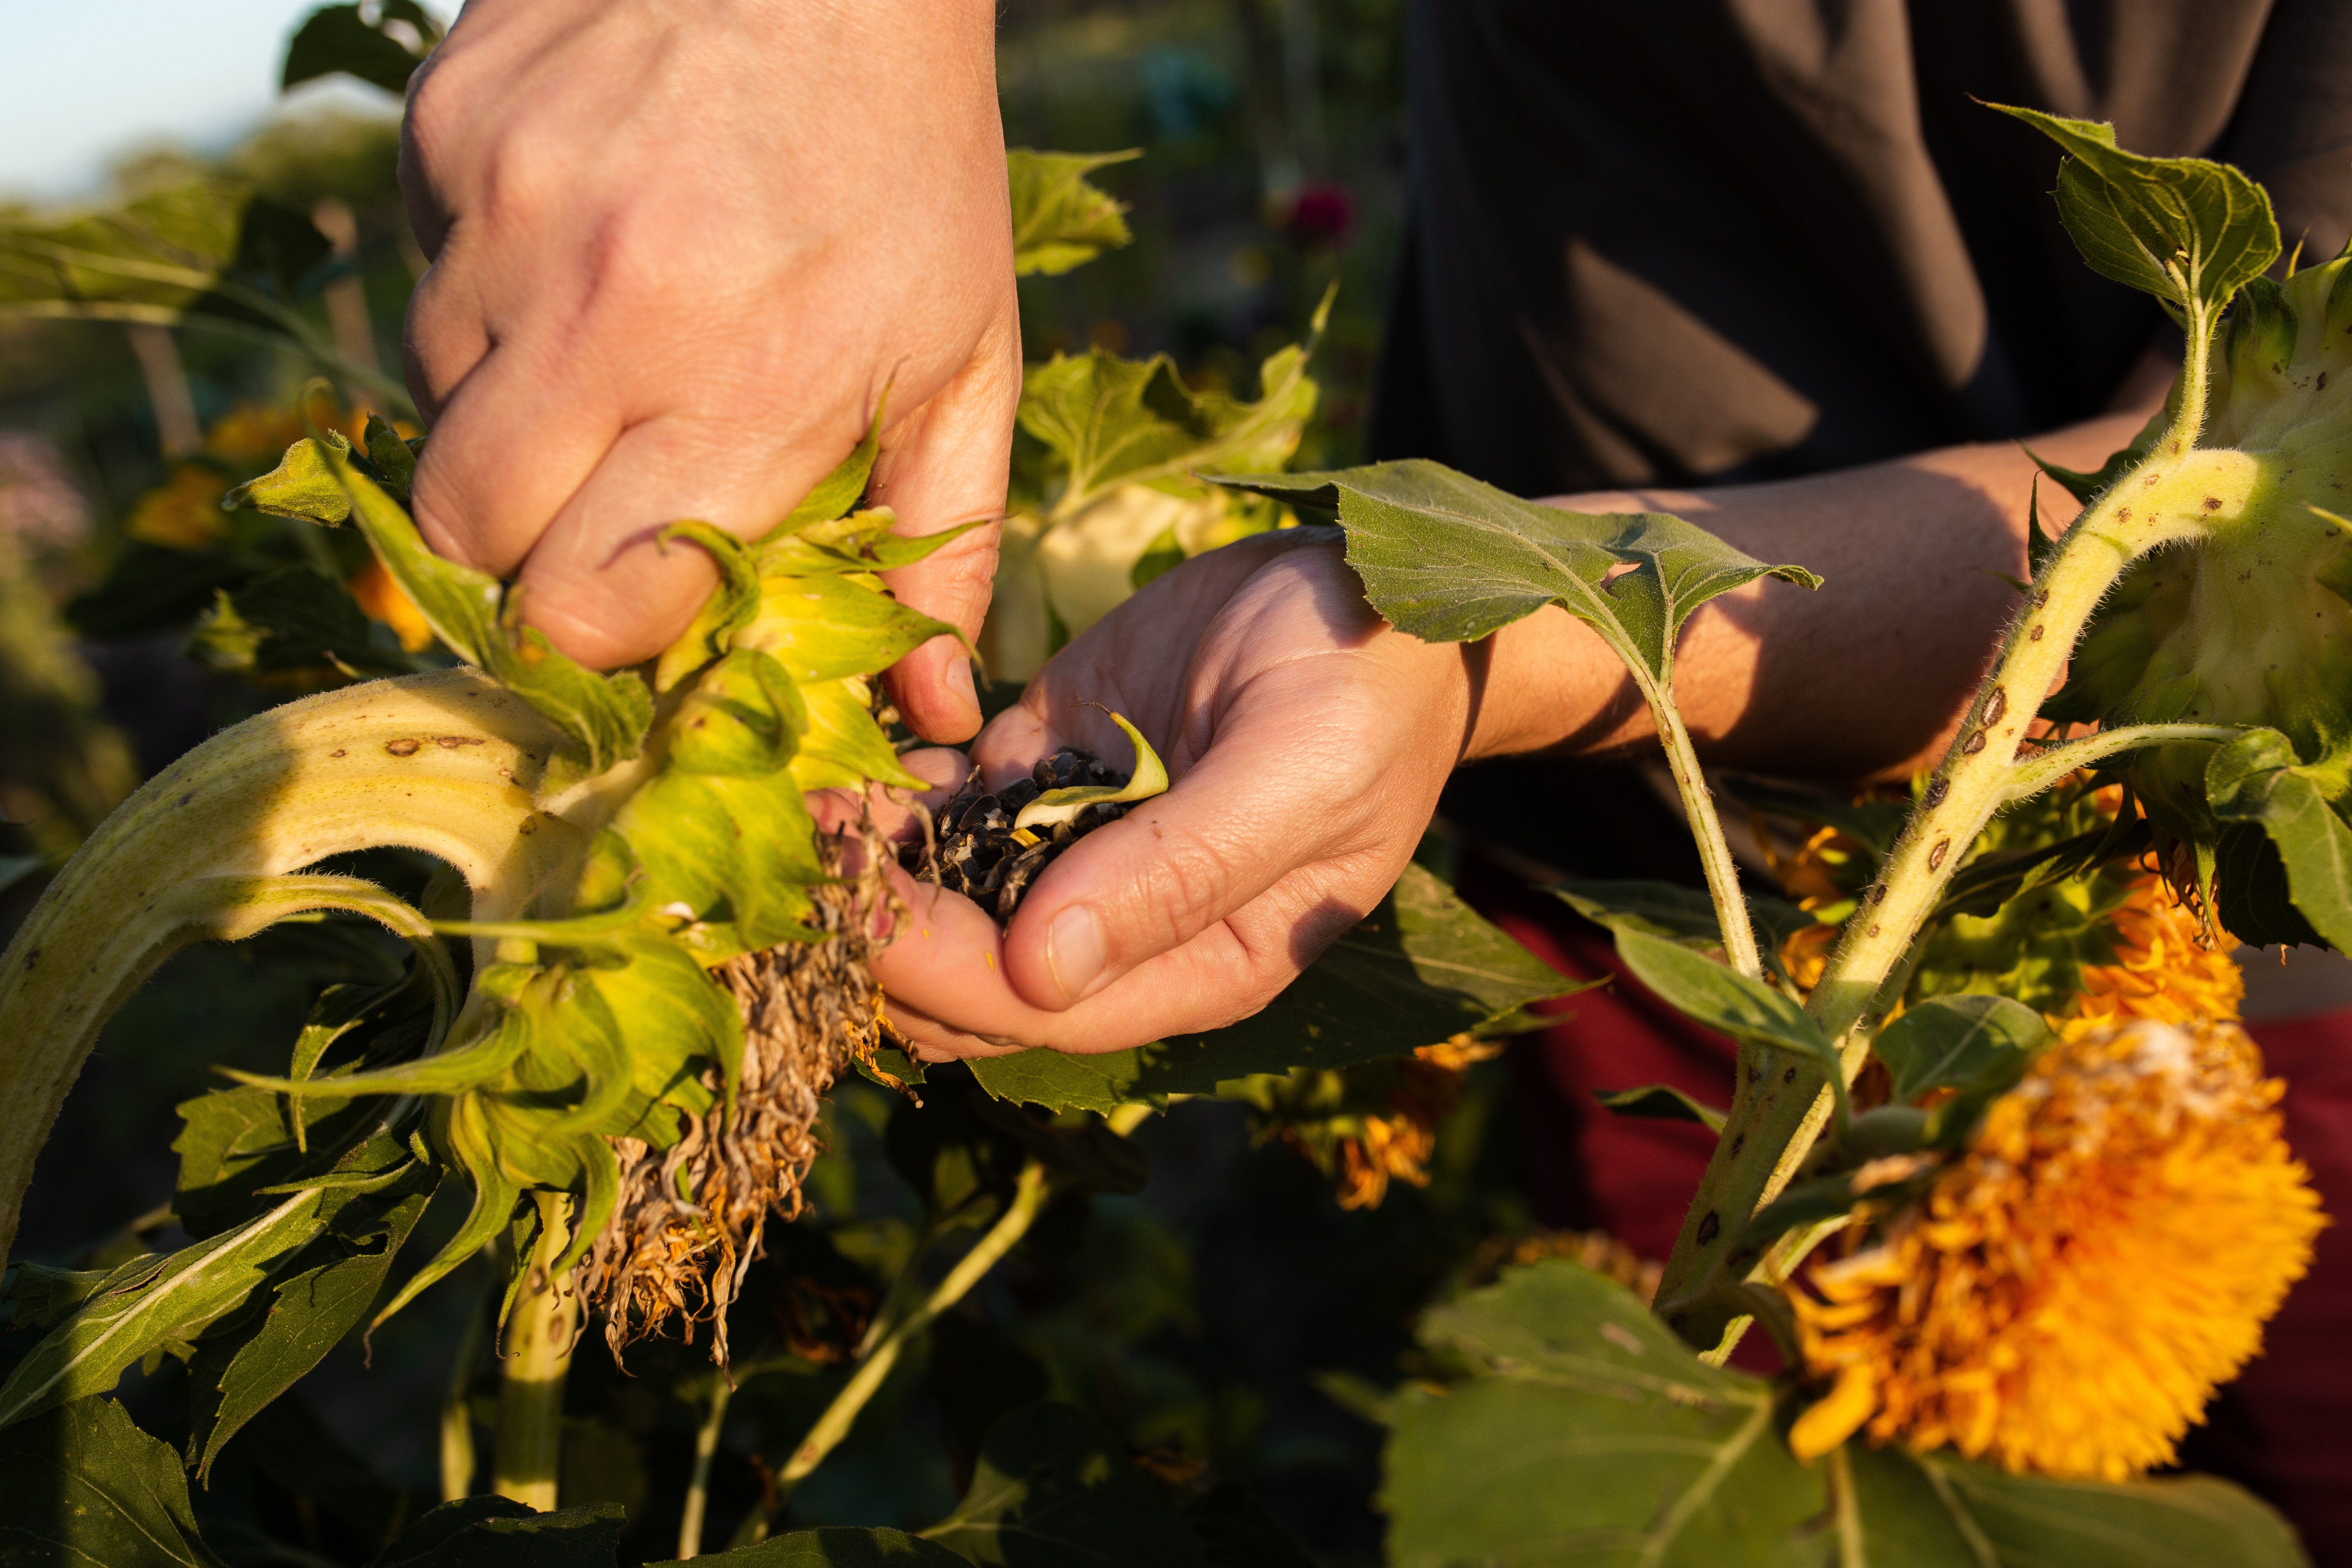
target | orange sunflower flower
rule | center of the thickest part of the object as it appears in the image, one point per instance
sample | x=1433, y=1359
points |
x=2073, y=1288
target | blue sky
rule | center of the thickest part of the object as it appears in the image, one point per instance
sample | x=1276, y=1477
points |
x=84, y=80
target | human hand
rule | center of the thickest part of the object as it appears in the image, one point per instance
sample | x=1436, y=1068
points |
x=1307, y=741
x=678, y=254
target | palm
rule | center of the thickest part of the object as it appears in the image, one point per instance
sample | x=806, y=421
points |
x=1307, y=741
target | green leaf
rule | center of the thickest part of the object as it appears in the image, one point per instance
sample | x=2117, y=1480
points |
x=1052, y=1490
x=2084, y=488
x=822, y=628
x=834, y=495
x=1722, y=998
x=2257, y=778
x=120, y=1322
x=844, y=748
x=1421, y=968
x=1685, y=915
x=1660, y=1103
x=1110, y=421
x=839, y=1547
x=1059, y=219
x=39, y=1296
x=1588, y=1433
x=1946, y=1041
x=302, y=486
x=1930, y=1511
x=1447, y=559
x=338, y=38
x=291, y=621
x=86, y=1489
x=232, y=1377
x=606, y=716
x=728, y=611
x=2186, y=230
x=208, y=247
x=744, y=719
x=497, y=1533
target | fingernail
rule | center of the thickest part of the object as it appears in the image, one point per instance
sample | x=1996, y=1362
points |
x=1075, y=951
x=960, y=683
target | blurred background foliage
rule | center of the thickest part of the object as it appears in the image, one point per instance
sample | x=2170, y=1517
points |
x=1230, y=1315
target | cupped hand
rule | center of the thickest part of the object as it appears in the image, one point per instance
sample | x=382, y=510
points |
x=678, y=254
x=1307, y=741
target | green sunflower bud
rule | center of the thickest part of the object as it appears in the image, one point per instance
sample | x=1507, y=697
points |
x=2251, y=624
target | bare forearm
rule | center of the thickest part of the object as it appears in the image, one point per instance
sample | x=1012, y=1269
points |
x=1863, y=679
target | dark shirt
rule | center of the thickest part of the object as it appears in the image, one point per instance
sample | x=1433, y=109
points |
x=1688, y=241
x=1667, y=243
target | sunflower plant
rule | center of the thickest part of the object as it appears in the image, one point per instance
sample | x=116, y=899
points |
x=1998, y=1174
x=631, y=981
x=2000, y=1171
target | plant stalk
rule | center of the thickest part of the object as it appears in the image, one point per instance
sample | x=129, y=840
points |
x=1028, y=1197
x=542, y=1331
x=458, y=1460
x=1779, y=1109
x=1714, y=851
x=698, y=1486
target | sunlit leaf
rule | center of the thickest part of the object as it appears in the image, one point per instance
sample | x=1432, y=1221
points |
x=1447, y=559
x=1685, y=915
x=308, y=1313
x=605, y=716
x=1660, y=1103
x=1059, y=218
x=1588, y=1433
x=1946, y=1041
x=2188, y=231
x=1722, y=998
x=123, y=1320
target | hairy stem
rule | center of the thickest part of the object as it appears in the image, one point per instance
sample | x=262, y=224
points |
x=2043, y=769
x=1775, y=1117
x=1714, y=852
x=1028, y=1198
x=544, y=1327
x=698, y=1486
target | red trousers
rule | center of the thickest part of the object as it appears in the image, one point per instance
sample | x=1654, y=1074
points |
x=2283, y=1428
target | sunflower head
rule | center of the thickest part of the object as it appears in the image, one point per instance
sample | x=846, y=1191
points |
x=2066, y=1295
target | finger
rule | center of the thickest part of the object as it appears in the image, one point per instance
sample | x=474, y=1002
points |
x=894, y=812
x=514, y=442
x=600, y=583
x=945, y=464
x=1177, y=865
x=945, y=961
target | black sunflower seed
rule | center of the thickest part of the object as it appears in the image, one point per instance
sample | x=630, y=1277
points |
x=977, y=853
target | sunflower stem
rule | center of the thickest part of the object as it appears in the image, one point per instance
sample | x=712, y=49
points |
x=1714, y=851
x=698, y=1486
x=544, y=1327
x=1028, y=1197
x=457, y=1456
x=1773, y=1123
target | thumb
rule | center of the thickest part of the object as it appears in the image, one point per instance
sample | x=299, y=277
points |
x=946, y=464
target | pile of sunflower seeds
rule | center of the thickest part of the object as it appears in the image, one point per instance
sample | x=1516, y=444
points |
x=978, y=854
